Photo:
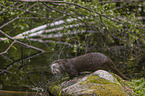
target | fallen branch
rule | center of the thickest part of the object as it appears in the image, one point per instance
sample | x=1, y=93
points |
x=51, y=41
x=63, y=34
x=39, y=30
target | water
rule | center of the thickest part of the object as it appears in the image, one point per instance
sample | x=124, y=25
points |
x=24, y=71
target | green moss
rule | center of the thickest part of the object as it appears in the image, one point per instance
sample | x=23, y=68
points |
x=123, y=83
x=95, y=79
x=55, y=87
x=102, y=87
x=108, y=90
x=96, y=85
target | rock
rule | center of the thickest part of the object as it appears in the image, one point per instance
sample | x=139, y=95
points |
x=98, y=83
x=104, y=74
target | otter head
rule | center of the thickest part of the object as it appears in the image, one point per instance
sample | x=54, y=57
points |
x=56, y=69
x=61, y=66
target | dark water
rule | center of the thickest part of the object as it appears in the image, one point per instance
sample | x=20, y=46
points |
x=17, y=93
x=24, y=71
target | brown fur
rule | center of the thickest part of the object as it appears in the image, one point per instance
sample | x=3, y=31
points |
x=88, y=62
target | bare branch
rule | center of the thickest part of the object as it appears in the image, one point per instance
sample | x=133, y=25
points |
x=15, y=18
x=64, y=12
x=62, y=34
x=9, y=22
x=77, y=5
x=8, y=58
x=8, y=48
x=6, y=35
x=51, y=41
x=35, y=0
x=29, y=57
x=127, y=1
x=5, y=71
x=122, y=1
x=37, y=18
x=9, y=6
x=33, y=32
x=29, y=46
x=21, y=9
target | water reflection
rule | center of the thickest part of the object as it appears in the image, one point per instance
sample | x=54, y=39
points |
x=18, y=93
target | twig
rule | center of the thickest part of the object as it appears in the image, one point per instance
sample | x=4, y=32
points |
x=64, y=12
x=15, y=18
x=122, y=1
x=8, y=48
x=19, y=9
x=110, y=1
x=32, y=56
x=5, y=71
x=9, y=6
x=77, y=5
x=29, y=46
x=8, y=58
x=111, y=33
x=37, y=18
x=9, y=22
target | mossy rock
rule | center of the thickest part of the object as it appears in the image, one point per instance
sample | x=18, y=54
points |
x=102, y=87
x=91, y=85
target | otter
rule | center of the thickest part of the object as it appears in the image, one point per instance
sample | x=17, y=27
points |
x=87, y=62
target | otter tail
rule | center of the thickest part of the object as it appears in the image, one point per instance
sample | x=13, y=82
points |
x=114, y=69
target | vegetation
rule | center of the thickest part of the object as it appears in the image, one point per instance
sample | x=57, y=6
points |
x=138, y=86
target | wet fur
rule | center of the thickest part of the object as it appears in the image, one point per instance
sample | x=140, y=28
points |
x=87, y=62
